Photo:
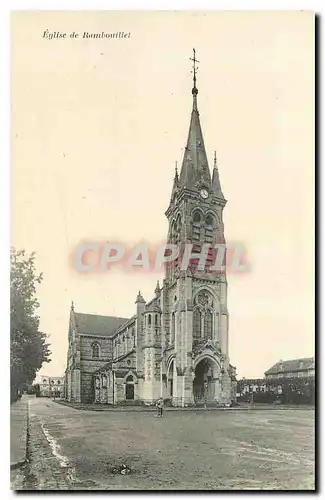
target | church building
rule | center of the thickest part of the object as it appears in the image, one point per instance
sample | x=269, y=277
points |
x=176, y=344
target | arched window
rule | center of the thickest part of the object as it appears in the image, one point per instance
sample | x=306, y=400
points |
x=208, y=229
x=178, y=229
x=172, y=337
x=156, y=320
x=196, y=324
x=208, y=325
x=95, y=350
x=149, y=320
x=173, y=231
x=209, y=220
x=196, y=225
x=197, y=217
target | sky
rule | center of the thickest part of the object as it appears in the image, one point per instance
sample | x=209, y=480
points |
x=97, y=125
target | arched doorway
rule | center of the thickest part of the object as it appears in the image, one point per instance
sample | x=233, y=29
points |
x=170, y=378
x=204, y=383
x=129, y=388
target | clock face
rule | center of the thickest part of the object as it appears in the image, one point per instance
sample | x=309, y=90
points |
x=204, y=193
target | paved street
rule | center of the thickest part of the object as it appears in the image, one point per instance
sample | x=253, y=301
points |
x=73, y=449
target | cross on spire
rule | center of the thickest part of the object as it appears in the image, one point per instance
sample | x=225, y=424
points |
x=195, y=68
x=215, y=160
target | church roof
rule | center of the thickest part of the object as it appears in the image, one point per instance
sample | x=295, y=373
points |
x=195, y=169
x=195, y=172
x=292, y=365
x=195, y=166
x=129, y=322
x=103, y=326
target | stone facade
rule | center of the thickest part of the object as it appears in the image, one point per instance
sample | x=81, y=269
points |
x=176, y=345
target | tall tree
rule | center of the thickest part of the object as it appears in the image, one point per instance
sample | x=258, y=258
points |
x=29, y=347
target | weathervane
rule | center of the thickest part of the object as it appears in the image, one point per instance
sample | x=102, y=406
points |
x=195, y=68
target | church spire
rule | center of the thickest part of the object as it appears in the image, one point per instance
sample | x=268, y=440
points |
x=215, y=179
x=194, y=89
x=140, y=299
x=157, y=289
x=176, y=182
x=195, y=170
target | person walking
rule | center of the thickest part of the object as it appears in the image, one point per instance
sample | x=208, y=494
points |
x=160, y=407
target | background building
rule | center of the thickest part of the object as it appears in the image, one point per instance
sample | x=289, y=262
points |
x=50, y=386
x=294, y=368
x=291, y=381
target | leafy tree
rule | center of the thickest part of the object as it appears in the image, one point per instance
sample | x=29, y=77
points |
x=294, y=390
x=29, y=349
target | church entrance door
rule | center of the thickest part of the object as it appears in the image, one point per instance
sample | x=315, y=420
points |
x=203, y=383
x=170, y=377
x=129, y=388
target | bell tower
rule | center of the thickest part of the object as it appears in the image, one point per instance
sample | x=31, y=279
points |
x=195, y=290
x=197, y=202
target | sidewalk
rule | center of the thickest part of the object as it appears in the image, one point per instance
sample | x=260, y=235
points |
x=18, y=432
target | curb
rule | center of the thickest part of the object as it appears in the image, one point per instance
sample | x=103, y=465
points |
x=168, y=409
x=20, y=463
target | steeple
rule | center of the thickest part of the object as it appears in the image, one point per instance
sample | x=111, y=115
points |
x=157, y=289
x=140, y=299
x=175, y=184
x=215, y=179
x=195, y=168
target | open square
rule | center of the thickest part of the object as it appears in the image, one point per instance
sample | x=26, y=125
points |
x=271, y=449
